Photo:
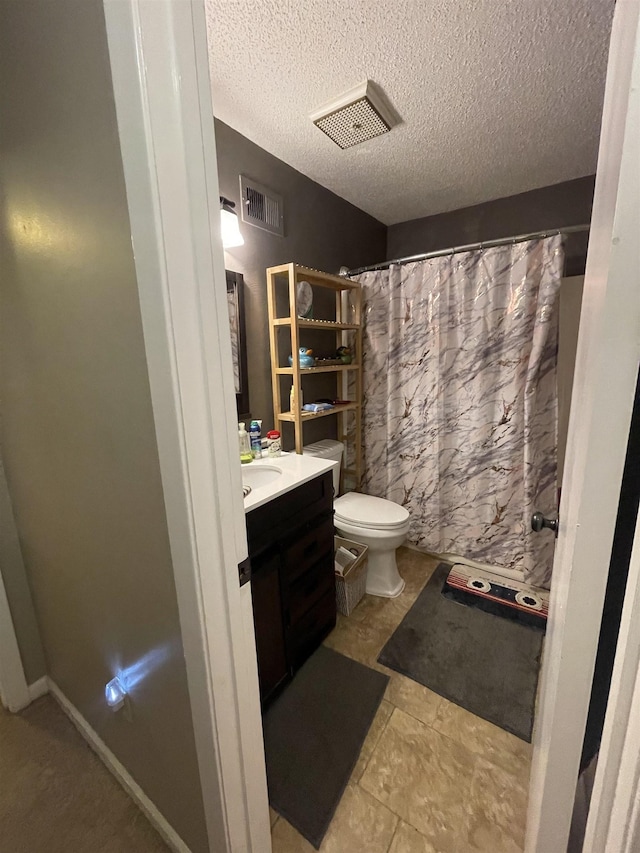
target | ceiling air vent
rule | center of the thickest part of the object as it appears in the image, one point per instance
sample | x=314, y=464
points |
x=360, y=114
x=261, y=206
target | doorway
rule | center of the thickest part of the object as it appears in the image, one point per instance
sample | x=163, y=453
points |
x=555, y=683
x=238, y=256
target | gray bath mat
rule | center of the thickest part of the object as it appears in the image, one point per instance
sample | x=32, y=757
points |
x=313, y=734
x=483, y=663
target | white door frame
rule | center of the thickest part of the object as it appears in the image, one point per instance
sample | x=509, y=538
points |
x=614, y=819
x=160, y=71
x=161, y=81
x=14, y=692
x=602, y=400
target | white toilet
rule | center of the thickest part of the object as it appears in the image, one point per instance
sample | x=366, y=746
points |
x=380, y=524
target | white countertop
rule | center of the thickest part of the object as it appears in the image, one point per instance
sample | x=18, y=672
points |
x=296, y=470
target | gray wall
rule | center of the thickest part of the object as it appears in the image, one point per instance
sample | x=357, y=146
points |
x=556, y=206
x=77, y=430
x=321, y=231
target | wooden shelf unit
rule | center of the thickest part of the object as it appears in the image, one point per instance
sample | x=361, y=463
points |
x=289, y=275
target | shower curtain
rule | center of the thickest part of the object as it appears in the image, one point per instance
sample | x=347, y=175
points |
x=460, y=402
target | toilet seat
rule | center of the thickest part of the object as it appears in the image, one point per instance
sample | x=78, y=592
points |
x=369, y=512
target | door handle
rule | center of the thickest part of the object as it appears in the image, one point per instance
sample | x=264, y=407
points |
x=539, y=521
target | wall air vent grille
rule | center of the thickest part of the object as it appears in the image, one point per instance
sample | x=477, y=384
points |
x=261, y=206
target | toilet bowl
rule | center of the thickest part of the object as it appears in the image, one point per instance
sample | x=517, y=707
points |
x=380, y=524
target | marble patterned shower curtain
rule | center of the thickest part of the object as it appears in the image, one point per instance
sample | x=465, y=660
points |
x=460, y=402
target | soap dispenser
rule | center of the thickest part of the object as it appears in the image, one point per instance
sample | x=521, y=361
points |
x=245, y=445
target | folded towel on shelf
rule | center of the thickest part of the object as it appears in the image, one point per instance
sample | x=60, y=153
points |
x=317, y=407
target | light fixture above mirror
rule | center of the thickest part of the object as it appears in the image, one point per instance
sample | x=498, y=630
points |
x=231, y=236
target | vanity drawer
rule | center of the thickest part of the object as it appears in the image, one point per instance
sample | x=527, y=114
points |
x=290, y=513
x=311, y=630
x=312, y=542
x=311, y=587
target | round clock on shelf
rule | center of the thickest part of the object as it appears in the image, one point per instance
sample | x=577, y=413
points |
x=304, y=297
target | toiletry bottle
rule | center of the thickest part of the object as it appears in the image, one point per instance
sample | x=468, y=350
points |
x=293, y=402
x=275, y=443
x=245, y=447
x=256, y=439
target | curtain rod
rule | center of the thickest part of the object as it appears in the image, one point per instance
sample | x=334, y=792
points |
x=454, y=250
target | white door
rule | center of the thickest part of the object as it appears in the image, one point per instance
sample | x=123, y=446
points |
x=602, y=399
x=159, y=65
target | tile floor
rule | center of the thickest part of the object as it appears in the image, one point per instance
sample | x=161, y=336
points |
x=431, y=777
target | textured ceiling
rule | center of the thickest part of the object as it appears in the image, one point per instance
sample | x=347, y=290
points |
x=497, y=96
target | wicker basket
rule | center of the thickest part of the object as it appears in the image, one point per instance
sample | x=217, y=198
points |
x=351, y=586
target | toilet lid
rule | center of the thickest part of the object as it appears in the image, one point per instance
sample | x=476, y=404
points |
x=367, y=511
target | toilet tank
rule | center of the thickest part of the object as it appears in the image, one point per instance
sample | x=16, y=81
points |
x=328, y=449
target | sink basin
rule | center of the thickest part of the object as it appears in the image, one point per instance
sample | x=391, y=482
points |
x=261, y=475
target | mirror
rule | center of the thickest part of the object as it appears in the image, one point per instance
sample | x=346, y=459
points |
x=235, y=306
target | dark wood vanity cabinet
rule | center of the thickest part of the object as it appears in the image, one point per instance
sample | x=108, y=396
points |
x=292, y=579
x=267, y=617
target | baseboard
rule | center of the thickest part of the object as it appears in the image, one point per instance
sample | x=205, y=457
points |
x=164, y=828
x=424, y=551
x=38, y=688
x=513, y=574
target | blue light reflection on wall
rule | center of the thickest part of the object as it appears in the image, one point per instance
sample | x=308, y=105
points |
x=131, y=676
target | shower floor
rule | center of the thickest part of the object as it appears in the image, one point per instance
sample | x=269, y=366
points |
x=430, y=776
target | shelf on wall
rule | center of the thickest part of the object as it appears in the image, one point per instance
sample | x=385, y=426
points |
x=290, y=417
x=317, y=324
x=322, y=279
x=330, y=368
